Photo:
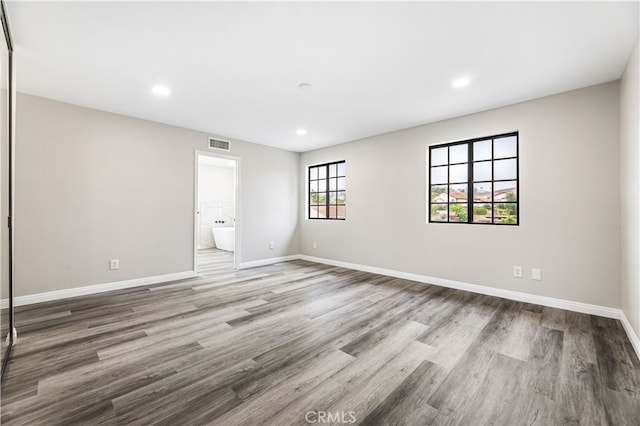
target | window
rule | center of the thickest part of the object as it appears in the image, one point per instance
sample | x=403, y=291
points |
x=475, y=181
x=327, y=191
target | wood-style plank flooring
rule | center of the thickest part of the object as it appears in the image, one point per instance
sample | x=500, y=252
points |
x=213, y=260
x=274, y=344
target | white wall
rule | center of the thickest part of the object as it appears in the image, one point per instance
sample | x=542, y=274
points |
x=569, y=195
x=88, y=181
x=216, y=193
x=630, y=189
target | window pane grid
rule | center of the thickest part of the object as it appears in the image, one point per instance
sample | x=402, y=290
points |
x=482, y=179
x=327, y=197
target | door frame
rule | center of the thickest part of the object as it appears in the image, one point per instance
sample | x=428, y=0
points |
x=238, y=207
x=10, y=164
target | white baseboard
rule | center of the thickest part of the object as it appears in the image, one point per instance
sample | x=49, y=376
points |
x=633, y=337
x=270, y=261
x=569, y=305
x=98, y=288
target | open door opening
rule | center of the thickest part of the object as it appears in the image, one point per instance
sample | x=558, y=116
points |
x=216, y=208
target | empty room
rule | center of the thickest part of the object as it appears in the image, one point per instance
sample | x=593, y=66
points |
x=308, y=213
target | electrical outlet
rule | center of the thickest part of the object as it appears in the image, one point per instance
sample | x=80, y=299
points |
x=114, y=264
x=536, y=274
x=272, y=245
x=517, y=271
x=315, y=245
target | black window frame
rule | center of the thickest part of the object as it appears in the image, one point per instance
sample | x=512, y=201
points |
x=327, y=204
x=470, y=161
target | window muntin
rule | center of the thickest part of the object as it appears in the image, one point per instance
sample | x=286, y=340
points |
x=475, y=181
x=328, y=191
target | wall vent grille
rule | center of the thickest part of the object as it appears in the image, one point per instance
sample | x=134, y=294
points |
x=219, y=144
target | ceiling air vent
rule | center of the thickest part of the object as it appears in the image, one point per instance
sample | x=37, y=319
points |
x=219, y=144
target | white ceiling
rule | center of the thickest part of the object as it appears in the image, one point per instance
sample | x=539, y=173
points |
x=234, y=68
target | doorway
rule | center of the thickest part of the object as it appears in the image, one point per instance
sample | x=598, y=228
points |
x=216, y=233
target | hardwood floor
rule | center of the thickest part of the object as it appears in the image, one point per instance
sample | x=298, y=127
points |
x=274, y=344
x=213, y=260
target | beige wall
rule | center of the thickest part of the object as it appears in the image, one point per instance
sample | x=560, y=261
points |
x=630, y=189
x=570, y=226
x=88, y=181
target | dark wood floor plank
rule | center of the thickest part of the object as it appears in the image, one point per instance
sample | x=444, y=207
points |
x=407, y=404
x=621, y=408
x=387, y=323
x=545, y=361
x=581, y=401
x=352, y=377
x=200, y=410
x=462, y=382
x=118, y=371
x=466, y=377
x=440, y=329
x=318, y=338
x=521, y=336
x=617, y=370
x=267, y=402
x=553, y=318
x=499, y=392
x=452, y=345
x=159, y=399
x=363, y=399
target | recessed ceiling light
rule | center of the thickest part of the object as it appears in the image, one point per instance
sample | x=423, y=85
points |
x=161, y=90
x=460, y=82
x=301, y=132
x=304, y=86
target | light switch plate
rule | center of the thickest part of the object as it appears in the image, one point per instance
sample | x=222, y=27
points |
x=536, y=274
